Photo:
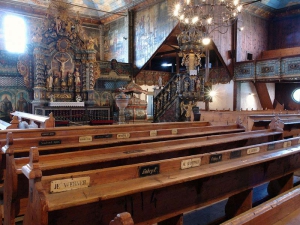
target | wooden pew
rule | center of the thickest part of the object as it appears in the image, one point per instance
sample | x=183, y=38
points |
x=14, y=124
x=179, y=187
x=229, y=117
x=35, y=120
x=105, y=129
x=289, y=127
x=259, y=122
x=102, y=138
x=109, y=157
x=281, y=210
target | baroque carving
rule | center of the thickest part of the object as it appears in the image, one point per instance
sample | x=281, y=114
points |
x=23, y=68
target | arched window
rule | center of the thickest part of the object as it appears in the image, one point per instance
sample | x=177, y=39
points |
x=296, y=95
x=14, y=34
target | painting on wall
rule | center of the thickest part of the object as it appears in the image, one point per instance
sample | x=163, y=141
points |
x=115, y=41
x=6, y=104
x=13, y=100
x=152, y=26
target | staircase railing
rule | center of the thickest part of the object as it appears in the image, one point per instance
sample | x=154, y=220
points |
x=165, y=97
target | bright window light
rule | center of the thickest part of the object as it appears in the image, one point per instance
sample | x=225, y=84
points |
x=14, y=34
x=166, y=64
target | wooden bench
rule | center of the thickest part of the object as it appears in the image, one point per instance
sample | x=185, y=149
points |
x=14, y=124
x=103, y=139
x=259, y=122
x=230, y=117
x=34, y=121
x=105, y=129
x=281, y=210
x=290, y=127
x=108, y=157
x=182, y=184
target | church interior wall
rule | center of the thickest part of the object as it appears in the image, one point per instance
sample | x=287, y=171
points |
x=223, y=98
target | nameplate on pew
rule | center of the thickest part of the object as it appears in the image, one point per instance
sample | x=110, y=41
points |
x=52, y=142
x=174, y=131
x=235, y=154
x=190, y=163
x=134, y=151
x=48, y=134
x=103, y=136
x=85, y=139
x=153, y=133
x=287, y=144
x=253, y=150
x=123, y=136
x=69, y=184
x=271, y=147
x=148, y=170
x=215, y=158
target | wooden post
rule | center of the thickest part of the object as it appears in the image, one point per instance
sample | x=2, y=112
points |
x=239, y=203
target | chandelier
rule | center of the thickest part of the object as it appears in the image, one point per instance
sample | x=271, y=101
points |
x=198, y=19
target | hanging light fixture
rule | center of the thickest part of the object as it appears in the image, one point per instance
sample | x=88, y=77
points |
x=198, y=19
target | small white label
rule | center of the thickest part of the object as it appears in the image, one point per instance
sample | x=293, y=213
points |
x=69, y=184
x=153, y=133
x=189, y=163
x=196, y=162
x=174, y=131
x=185, y=164
x=85, y=139
x=253, y=150
x=123, y=136
x=287, y=144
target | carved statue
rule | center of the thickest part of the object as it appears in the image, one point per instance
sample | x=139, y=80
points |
x=186, y=85
x=188, y=109
x=77, y=77
x=198, y=84
x=160, y=81
x=70, y=79
x=90, y=45
x=49, y=78
x=63, y=60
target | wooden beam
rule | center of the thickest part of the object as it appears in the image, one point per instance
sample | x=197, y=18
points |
x=263, y=95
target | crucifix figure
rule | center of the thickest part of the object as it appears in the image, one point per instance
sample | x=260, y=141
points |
x=63, y=60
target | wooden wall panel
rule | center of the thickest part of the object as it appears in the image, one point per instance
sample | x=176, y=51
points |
x=253, y=39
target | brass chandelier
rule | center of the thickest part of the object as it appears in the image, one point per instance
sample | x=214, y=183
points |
x=198, y=19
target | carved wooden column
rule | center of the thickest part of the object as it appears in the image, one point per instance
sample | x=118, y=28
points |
x=39, y=89
x=90, y=78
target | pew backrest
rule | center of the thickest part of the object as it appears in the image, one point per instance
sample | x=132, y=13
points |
x=14, y=124
x=35, y=120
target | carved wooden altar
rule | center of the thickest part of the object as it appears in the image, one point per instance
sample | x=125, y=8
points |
x=63, y=58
